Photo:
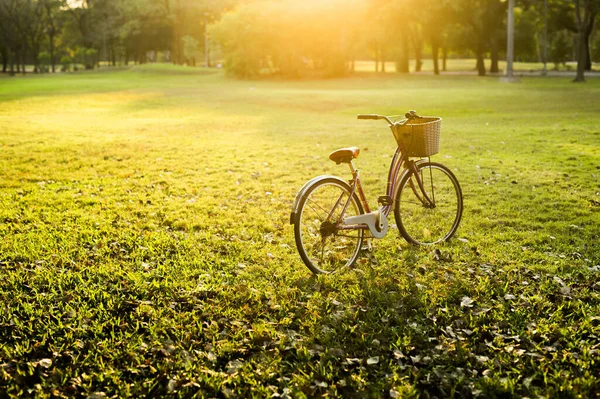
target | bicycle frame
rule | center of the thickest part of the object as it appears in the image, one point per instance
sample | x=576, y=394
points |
x=399, y=159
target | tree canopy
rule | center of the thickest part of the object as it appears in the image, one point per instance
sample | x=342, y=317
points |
x=287, y=37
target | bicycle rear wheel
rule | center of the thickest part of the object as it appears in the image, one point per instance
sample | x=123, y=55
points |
x=323, y=247
x=419, y=222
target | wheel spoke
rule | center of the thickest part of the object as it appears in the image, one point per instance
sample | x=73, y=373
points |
x=315, y=211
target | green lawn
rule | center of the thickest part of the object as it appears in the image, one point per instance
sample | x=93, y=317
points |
x=145, y=245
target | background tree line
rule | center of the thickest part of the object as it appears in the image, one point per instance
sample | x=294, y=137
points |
x=83, y=33
x=291, y=38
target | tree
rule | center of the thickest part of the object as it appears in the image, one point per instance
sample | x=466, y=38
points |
x=4, y=55
x=12, y=16
x=495, y=31
x=190, y=48
x=526, y=46
x=435, y=23
x=470, y=28
x=264, y=37
x=32, y=28
x=53, y=22
x=560, y=47
x=595, y=47
x=416, y=35
x=191, y=18
x=585, y=13
x=144, y=27
x=375, y=32
x=398, y=20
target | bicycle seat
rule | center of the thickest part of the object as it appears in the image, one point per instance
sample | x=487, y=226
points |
x=344, y=155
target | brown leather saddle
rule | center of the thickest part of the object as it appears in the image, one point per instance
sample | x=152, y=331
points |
x=344, y=155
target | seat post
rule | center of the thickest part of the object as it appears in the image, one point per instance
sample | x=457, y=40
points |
x=353, y=169
x=361, y=193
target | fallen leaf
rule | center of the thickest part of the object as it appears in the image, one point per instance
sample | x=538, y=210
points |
x=373, y=360
x=336, y=352
x=466, y=302
x=233, y=366
x=321, y=384
x=566, y=290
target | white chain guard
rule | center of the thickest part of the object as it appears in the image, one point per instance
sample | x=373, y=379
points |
x=375, y=221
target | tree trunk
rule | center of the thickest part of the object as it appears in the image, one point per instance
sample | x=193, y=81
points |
x=207, y=61
x=402, y=65
x=495, y=55
x=583, y=22
x=588, y=34
x=176, y=51
x=376, y=59
x=480, y=63
x=36, y=62
x=434, y=56
x=4, y=59
x=12, y=63
x=382, y=61
x=581, y=56
x=174, y=47
x=418, y=55
x=52, y=60
x=588, y=58
x=444, y=57
x=23, y=69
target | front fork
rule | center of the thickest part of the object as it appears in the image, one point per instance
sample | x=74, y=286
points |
x=425, y=200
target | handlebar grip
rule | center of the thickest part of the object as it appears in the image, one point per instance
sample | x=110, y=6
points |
x=367, y=116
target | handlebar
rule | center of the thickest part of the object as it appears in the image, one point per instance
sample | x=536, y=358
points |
x=409, y=115
x=368, y=116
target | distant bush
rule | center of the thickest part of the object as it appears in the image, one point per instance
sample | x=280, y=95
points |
x=560, y=48
x=595, y=48
x=44, y=60
x=526, y=44
x=87, y=57
x=266, y=37
x=190, y=48
x=65, y=63
x=90, y=58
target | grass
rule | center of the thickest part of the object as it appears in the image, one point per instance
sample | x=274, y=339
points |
x=145, y=247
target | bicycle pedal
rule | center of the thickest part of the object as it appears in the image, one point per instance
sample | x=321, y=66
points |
x=385, y=200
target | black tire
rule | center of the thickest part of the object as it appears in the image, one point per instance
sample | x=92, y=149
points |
x=315, y=231
x=426, y=225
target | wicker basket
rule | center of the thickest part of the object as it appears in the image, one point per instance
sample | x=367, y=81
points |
x=420, y=137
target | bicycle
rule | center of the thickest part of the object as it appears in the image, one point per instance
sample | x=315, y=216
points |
x=332, y=218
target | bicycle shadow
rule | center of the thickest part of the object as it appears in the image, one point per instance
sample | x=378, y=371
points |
x=389, y=311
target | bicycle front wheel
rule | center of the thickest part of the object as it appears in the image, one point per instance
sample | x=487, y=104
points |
x=420, y=221
x=322, y=246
